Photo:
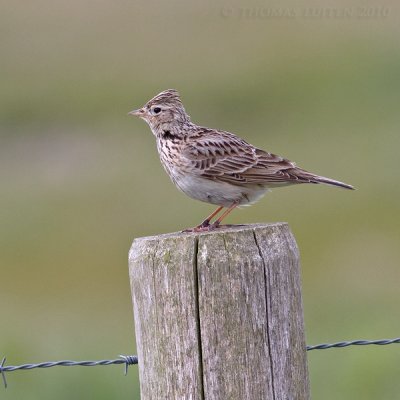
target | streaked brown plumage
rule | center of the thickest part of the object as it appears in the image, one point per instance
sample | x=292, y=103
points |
x=216, y=166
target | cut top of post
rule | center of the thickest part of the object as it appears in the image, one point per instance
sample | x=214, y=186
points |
x=222, y=230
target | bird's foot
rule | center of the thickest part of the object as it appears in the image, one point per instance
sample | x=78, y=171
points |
x=208, y=228
x=203, y=227
x=199, y=228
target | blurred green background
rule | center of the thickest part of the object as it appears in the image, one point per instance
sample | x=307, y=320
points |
x=317, y=82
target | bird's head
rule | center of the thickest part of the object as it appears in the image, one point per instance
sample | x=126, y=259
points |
x=164, y=109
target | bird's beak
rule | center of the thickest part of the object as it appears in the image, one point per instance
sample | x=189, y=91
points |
x=137, y=113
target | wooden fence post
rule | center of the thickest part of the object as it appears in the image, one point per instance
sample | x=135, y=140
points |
x=218, y=315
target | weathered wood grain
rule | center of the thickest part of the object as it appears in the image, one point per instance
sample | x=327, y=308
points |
x=219, y=315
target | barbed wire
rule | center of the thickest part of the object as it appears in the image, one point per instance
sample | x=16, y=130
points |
x=132, y=360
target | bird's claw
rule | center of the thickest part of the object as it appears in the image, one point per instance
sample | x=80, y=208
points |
x=203, y=227
x=209, y=227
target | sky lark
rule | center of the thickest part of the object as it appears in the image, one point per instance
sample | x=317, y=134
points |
x=216, y=166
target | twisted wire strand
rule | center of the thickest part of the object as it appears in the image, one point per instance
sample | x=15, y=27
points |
x=127, y=360
x=381, y=342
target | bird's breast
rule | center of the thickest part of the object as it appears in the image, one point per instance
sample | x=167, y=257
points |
x=187, y=179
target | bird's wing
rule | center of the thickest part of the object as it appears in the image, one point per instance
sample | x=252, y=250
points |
x=222, y=156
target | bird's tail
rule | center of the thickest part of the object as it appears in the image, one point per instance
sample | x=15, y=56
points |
x=328, y=181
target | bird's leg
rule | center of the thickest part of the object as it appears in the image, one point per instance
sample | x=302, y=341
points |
x=217, y=223
x=206, y=222
x=205, y=225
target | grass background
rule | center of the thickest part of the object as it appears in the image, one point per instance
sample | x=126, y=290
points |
x=80, y=179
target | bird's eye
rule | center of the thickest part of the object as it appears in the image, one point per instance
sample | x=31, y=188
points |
x=156, y=110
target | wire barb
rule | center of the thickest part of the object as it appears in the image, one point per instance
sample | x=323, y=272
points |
x=3, y=375
x=129, y=360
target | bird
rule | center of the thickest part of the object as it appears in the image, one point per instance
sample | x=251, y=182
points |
x=216, y=166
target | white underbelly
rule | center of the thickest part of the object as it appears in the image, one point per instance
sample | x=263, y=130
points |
x=218, y=193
